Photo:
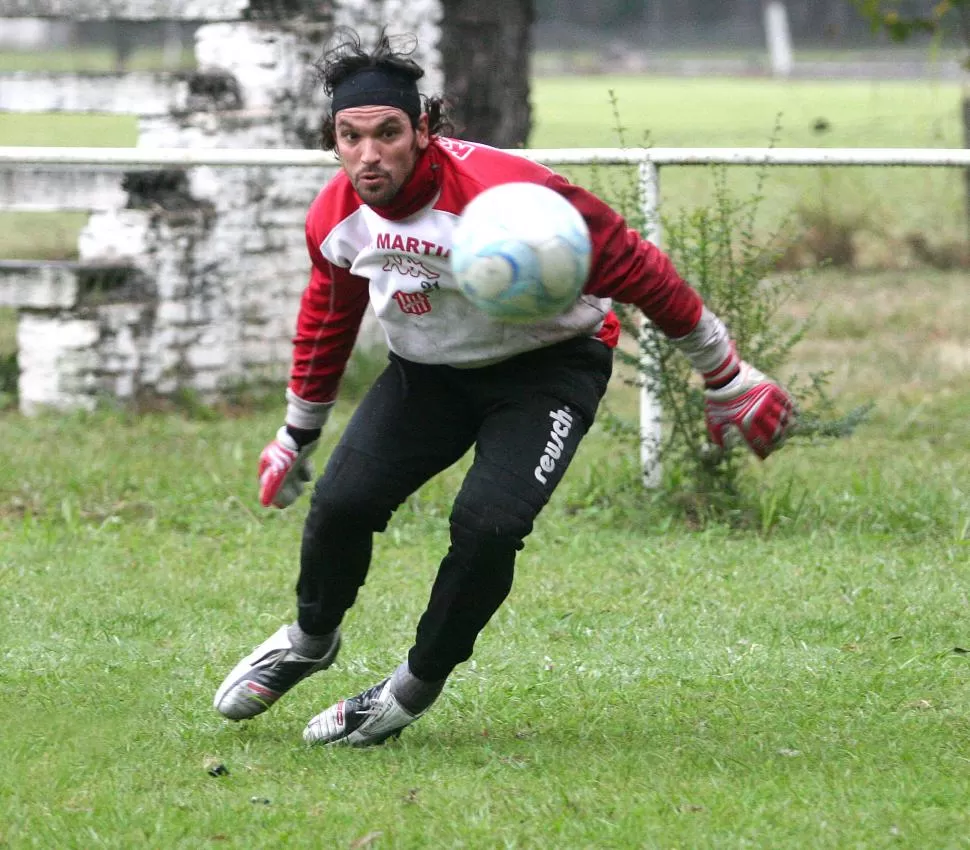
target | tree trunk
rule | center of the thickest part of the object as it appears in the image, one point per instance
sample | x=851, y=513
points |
x=485, y=52
x=654, y=20
x=964, y=13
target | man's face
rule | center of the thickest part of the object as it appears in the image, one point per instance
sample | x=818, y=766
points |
x=378, y=149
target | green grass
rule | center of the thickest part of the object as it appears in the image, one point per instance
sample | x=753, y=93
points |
x=90, y=59
x=645, y=686
x=884, y=204
x=54, y=235
x=68, y=130
x=793, y=681
x=684, y=112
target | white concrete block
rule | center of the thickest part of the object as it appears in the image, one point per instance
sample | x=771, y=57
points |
x=30, y=189
x=222, y=282
x=136, y=10
x=52, y=286
x=268, y=64
x=53, y=355
x=134, y=93
x=298, y=186
x=210, y=382
x=419, y=17
x=249, y=129
x=118, y=320
x=121, y=385
x=214, y=355
x=33, y=34
x=115, y=235
x=172, y=313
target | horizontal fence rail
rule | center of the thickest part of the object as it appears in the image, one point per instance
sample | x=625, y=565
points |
x=144, y=10
x=53, y=160
x=186, y=157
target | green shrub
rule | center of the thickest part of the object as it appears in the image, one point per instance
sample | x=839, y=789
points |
x=716, y=249
x=9, y=373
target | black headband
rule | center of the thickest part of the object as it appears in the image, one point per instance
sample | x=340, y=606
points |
x=377, y=87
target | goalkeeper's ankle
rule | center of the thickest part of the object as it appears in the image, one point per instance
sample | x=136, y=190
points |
x=415, y=695
x=309, y=646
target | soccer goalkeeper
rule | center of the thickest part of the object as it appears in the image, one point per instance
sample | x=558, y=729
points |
x=379, y=233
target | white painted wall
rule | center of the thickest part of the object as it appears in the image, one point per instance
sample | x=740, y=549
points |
x=219, y=283
x=33, y=33
x=419, y=18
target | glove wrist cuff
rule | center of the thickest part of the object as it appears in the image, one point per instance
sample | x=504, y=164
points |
x=746, y=378
x=709, y=349
x=303, y=437
x=306, y=415
x=725, y=373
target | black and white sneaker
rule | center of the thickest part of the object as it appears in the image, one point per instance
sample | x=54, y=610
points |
x=267, y=673
x=361, y=721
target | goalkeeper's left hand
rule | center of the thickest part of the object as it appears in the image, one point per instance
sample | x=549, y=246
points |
x=284, y=470
x=751, y=408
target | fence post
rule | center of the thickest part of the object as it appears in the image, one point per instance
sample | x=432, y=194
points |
x=650, y=434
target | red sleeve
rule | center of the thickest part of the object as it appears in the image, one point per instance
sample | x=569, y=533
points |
x=629, y=269
x=331, y=311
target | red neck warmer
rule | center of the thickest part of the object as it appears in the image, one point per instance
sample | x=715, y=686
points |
x=421, y=187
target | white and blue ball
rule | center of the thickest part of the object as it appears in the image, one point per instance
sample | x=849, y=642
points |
x=521, y=252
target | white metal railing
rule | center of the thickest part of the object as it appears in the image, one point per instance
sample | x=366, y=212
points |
x=162, y=157
x=648, y=160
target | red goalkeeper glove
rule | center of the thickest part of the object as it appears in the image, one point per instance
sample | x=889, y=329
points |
x=284, y=470
x=751, y=408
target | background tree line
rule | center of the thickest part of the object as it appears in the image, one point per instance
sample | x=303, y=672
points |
x=713, y=23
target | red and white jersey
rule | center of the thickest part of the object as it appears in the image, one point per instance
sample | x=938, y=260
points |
x=397, y=259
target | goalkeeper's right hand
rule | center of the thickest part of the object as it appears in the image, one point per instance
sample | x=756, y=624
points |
x=284, y=470
x=751, y=409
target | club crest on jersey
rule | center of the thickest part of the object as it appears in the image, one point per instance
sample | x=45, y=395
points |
x=414, y=303
x=409, y=267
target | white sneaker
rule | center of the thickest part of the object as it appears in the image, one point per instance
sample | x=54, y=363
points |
x=267, y=673
x=361, y=721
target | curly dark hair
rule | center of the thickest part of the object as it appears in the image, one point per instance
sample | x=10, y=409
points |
x=348, y=56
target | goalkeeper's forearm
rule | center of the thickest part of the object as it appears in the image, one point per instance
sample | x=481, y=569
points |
x=305, y=418
x=710, y=350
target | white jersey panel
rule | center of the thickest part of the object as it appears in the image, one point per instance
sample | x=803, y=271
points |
x=424, y=316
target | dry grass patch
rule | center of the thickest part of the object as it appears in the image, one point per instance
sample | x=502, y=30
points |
x=894, y=331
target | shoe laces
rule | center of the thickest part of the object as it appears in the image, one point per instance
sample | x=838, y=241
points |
x=288, y=652
x=273, y=659
x=370, y=699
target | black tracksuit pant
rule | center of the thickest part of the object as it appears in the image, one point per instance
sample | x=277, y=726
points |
x=525, y=417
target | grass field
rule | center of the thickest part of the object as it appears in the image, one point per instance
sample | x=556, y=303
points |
x=93, y=59
x=795, y=678
x=799, y=682
x=880, y=206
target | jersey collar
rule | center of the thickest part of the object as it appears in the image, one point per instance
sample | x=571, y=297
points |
x=420, y=188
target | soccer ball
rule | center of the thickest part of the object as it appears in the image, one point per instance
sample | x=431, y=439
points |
x=521, y=252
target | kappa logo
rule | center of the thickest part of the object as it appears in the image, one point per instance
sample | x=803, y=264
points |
x=409, y=267
x=562, y=424
x=413, y=303
x=458, y=149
